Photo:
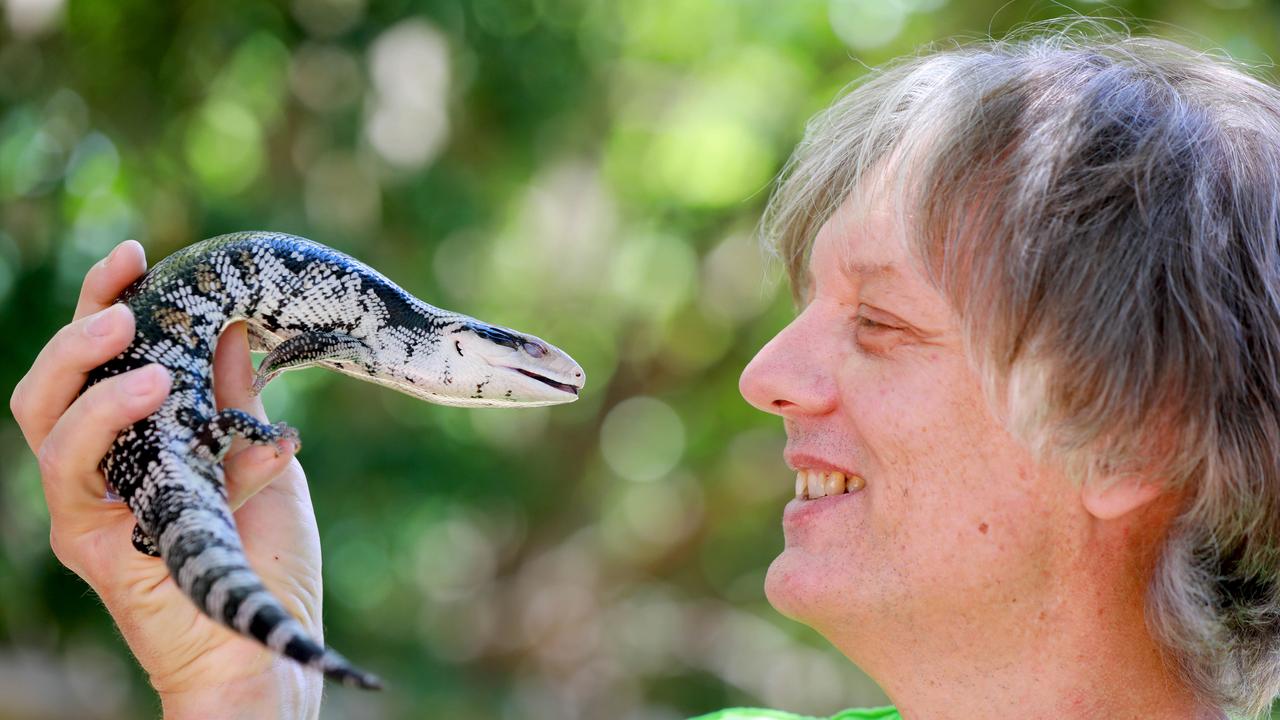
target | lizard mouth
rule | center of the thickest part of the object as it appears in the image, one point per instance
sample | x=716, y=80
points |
x=573, y=389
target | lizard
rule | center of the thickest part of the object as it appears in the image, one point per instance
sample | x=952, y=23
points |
x=305, y=305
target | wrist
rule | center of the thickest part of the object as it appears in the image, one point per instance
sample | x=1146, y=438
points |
x=284, y=690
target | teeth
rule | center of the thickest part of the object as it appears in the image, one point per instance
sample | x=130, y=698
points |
x=817, y=488
x=812, y=484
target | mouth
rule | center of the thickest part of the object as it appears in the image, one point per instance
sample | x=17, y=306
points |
x=563, y=387
x=814, y=484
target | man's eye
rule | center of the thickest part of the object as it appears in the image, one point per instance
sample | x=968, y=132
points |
x=867, y=323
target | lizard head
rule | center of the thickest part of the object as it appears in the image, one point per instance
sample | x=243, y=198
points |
x=497, y=367
x=468, y=362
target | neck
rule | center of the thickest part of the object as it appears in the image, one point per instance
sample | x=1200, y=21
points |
x=1060, y=668
x=1079, y=649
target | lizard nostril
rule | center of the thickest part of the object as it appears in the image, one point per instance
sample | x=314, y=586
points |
x=534, y=349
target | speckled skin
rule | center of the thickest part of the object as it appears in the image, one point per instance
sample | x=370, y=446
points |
x=308, y=305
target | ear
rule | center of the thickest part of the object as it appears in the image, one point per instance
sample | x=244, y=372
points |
x=1122, y=495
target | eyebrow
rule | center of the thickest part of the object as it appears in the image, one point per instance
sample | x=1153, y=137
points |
x=857, y=269
x=862, y=269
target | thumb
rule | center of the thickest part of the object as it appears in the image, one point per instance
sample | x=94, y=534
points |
x=254, y=468
x=233, y=373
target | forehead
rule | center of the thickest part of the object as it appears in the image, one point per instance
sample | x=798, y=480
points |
x=864, y=239
x=863, y=247
x=861, y=235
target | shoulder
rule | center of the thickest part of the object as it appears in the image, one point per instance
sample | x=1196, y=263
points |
x=878, y=713
x=887, y=712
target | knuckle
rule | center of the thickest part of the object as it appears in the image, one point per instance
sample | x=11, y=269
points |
x=18, y=401
x=58, y=544
x=66, y=340
x=65, y=551
x=50, y=460
x=55, y=544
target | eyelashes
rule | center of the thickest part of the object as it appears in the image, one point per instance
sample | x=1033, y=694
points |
x=873, y=337
x=865, y=323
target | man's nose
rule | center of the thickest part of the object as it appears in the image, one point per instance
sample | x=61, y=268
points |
x=793, y=374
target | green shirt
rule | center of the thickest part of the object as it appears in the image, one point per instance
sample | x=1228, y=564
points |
x=881, y=713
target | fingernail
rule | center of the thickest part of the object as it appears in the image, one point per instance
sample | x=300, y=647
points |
x=102, y=322
x=142, y=382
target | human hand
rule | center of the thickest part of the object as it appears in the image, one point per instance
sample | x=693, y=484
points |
x=193, y=662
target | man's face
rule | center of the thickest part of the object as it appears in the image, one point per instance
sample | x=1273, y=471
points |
x=956, y=526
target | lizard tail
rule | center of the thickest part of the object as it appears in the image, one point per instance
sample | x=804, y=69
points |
x=196, y=535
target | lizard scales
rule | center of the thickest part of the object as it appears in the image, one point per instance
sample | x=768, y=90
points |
x=306, y=305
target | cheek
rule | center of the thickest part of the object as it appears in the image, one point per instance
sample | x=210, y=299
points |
x=957, y=499
x=916, y=420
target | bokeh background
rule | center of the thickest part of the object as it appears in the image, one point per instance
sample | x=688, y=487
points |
x=590, y=171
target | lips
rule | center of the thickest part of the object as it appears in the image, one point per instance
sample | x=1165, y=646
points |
x=800, y=516
x=822, y=486
x=573, y=389
x=799, y=461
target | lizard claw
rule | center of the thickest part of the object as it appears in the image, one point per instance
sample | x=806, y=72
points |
x=286, y=433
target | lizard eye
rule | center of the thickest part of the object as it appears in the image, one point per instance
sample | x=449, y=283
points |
x=534, y=349
x=498, y=336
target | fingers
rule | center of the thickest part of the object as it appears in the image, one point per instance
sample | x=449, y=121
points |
x=105, y=280
x=233, y=373
x=69, y=456
x=58, y=373
x=254, y=468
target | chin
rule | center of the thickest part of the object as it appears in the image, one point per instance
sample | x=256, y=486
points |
x=827, y=593
x=796, y=587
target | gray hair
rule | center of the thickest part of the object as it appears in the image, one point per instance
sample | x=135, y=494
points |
x=1103, y=213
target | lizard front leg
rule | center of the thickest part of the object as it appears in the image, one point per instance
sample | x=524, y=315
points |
x=311, y=348
x=214, y=437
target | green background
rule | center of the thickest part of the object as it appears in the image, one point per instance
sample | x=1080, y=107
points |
x=589, y=171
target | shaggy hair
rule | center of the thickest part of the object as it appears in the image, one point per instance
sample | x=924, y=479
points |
x=1103, y=213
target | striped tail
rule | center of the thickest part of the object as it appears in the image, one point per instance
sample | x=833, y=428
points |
x=197, y=538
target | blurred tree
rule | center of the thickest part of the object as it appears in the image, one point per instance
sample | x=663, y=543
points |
x=588, y=170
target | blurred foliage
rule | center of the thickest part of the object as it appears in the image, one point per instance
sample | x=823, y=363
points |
x=590, y=171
